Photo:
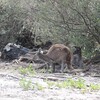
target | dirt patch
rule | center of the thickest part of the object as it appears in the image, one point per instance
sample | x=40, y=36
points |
x=10, y=88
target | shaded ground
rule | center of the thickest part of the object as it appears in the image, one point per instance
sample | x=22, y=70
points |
x=11, y=90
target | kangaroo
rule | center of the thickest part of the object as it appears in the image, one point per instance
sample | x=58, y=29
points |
x=77, y=60
x=57, y=53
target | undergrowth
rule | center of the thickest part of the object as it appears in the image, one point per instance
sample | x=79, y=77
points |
x=68, y=83
x=27, y=71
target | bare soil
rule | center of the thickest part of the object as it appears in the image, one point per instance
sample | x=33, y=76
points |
x=11, y=90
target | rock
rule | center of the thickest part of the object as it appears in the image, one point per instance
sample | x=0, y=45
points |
x=12, y=51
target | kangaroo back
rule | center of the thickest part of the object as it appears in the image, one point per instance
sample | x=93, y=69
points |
x=60, y=52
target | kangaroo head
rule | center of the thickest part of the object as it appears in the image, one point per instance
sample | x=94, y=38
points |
x=38, y=54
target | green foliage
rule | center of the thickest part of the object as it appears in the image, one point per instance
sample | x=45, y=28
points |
x=94, y=87
x=25, y=84
x=80, y=84
x=63, y=84
x=64, y=21
x=71, y=83
x=76, y=21
x=27, y=71
x=51, y=84
x=39, y=87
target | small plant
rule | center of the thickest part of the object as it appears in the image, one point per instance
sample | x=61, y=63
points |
x=94, y=87
x=44, y=70
x=23, y=70
x=51, y=83
x=25, y=84
x=80, y=84
x=70, y=83
x=27, y=71
x=31, y=70
x=39, y=87
x=63, y=84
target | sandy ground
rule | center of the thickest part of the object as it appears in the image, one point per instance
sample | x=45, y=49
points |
x=11, y=90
